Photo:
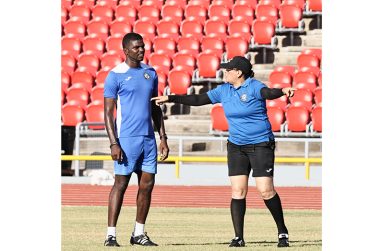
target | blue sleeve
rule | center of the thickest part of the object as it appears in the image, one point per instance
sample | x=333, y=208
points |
x=215, y=94
x=257, y=89
x=111, y=86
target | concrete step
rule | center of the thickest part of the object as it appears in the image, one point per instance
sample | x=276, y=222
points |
x=188, y=127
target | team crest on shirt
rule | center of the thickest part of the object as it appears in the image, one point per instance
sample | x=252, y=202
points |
x=146, y=75
x=244, y=97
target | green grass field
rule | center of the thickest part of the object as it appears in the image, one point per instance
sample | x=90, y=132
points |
x=84, y=228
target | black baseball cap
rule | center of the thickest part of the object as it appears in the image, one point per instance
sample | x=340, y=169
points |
x=239, y=63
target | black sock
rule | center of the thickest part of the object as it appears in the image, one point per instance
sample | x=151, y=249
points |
x=275, y=206
x=238, y=209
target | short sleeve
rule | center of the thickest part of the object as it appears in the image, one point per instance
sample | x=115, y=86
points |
x=215, y=94
x=111, y=86
x=257, y=89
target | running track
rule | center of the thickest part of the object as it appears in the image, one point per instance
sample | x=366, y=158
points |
x=190, y=196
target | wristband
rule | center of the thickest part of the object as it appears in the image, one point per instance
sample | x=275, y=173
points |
x=163, y=136
x=114, y=143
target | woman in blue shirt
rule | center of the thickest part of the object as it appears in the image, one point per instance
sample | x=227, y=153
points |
x=251, y=142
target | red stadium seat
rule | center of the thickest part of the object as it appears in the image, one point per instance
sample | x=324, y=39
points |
x=191, y=28
x=93, y=45
x=202, y=3
x=114, y=44
x=298, y=3
x=228, y=3
x=275, y=3
x=215, y=28
x=162, y=82
x=179, y=82
x=74, y=29
x=286, y=68
x=276, y=117
x=314, y=70
x=198, y=12
x=135, y=3
x=89, y=63
x=188, y=45
x=243, y=12
x=68, y=63
x=110, y=3
x=252, y=3
x=168, y=28
x=87, y=3
x=181, y=3
x=66, y=3
x=71, y=115
x=267, y=11
x=95, y=113
x=305, y=80
x=148, y=48
x=320, y=79
x=145, y=28
x=221, y=12
x=208, y=64
x=302, y=98
x=77, y=96
x=97, y=95
x=279, y=102
x=98, y=28
x=297, y=119
x=164, y=45
x=316, y=117
x=290, y=18
x=263, y=37
x=279, y=79
x=314, y=6
x=186, y=61
x=109, y=61
x=82, y=79
x=173, y=12
x=70, y=46
x=313, y=51
x=100, y=77
x=64, y=15
x=79, y=13
x=212, y=45
x=149, y=13
x=318, y=95
x=239, y=28
x=102, y=12
x=305, y=60
x=156, y=3
x=235, y=46
x=160, y=61
x=218, y=118
x=65, y=81
x=127, y=13
x=120, y=28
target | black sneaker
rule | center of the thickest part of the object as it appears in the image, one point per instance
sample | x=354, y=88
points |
x=111, y=241
x=142, y=240
x=237, y=242
x=283, y=240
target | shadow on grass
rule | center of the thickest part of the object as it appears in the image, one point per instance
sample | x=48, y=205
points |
x=262, y=243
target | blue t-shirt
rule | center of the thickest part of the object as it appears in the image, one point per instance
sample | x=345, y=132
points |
x=245, y=110
x=133, y=88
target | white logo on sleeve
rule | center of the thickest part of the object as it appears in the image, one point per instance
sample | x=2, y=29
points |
x=269, y=170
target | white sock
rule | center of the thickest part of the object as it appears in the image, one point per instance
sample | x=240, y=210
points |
x=111, y=231
x=138, y=229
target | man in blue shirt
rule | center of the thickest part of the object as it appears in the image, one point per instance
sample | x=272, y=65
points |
x=251, y=143
x=129, y=87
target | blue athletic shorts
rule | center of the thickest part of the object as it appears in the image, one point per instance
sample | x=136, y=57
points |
x=139, y=154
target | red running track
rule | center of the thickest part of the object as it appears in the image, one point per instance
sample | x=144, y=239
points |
x=190, y=196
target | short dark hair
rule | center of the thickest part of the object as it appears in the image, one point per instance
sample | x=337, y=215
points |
x=130, y=37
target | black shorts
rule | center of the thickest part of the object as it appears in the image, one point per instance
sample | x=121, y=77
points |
x=259, y=157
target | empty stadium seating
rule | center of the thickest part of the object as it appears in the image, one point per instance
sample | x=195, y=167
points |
x=77, y=96
x=280, y=79
x=276, y=117
x=279, y=102
x=185, y=61
x=171, y=12
x=235, y=46
x=98, y=28
x=218, y=119
x=179, y=82
x=70, y=46
x=208, y=64
x=302, y=98
x=71, y=115
x=94, y=113
x=89, y=63
x=93, y=45
x=305, y=80
x=168, y=29
x=126, y=13
x=297, y=119
x=316, y=118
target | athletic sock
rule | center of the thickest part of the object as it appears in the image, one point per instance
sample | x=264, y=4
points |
x=275, y=206
x=138, y=229
x=111, y=231
x=238, y=210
